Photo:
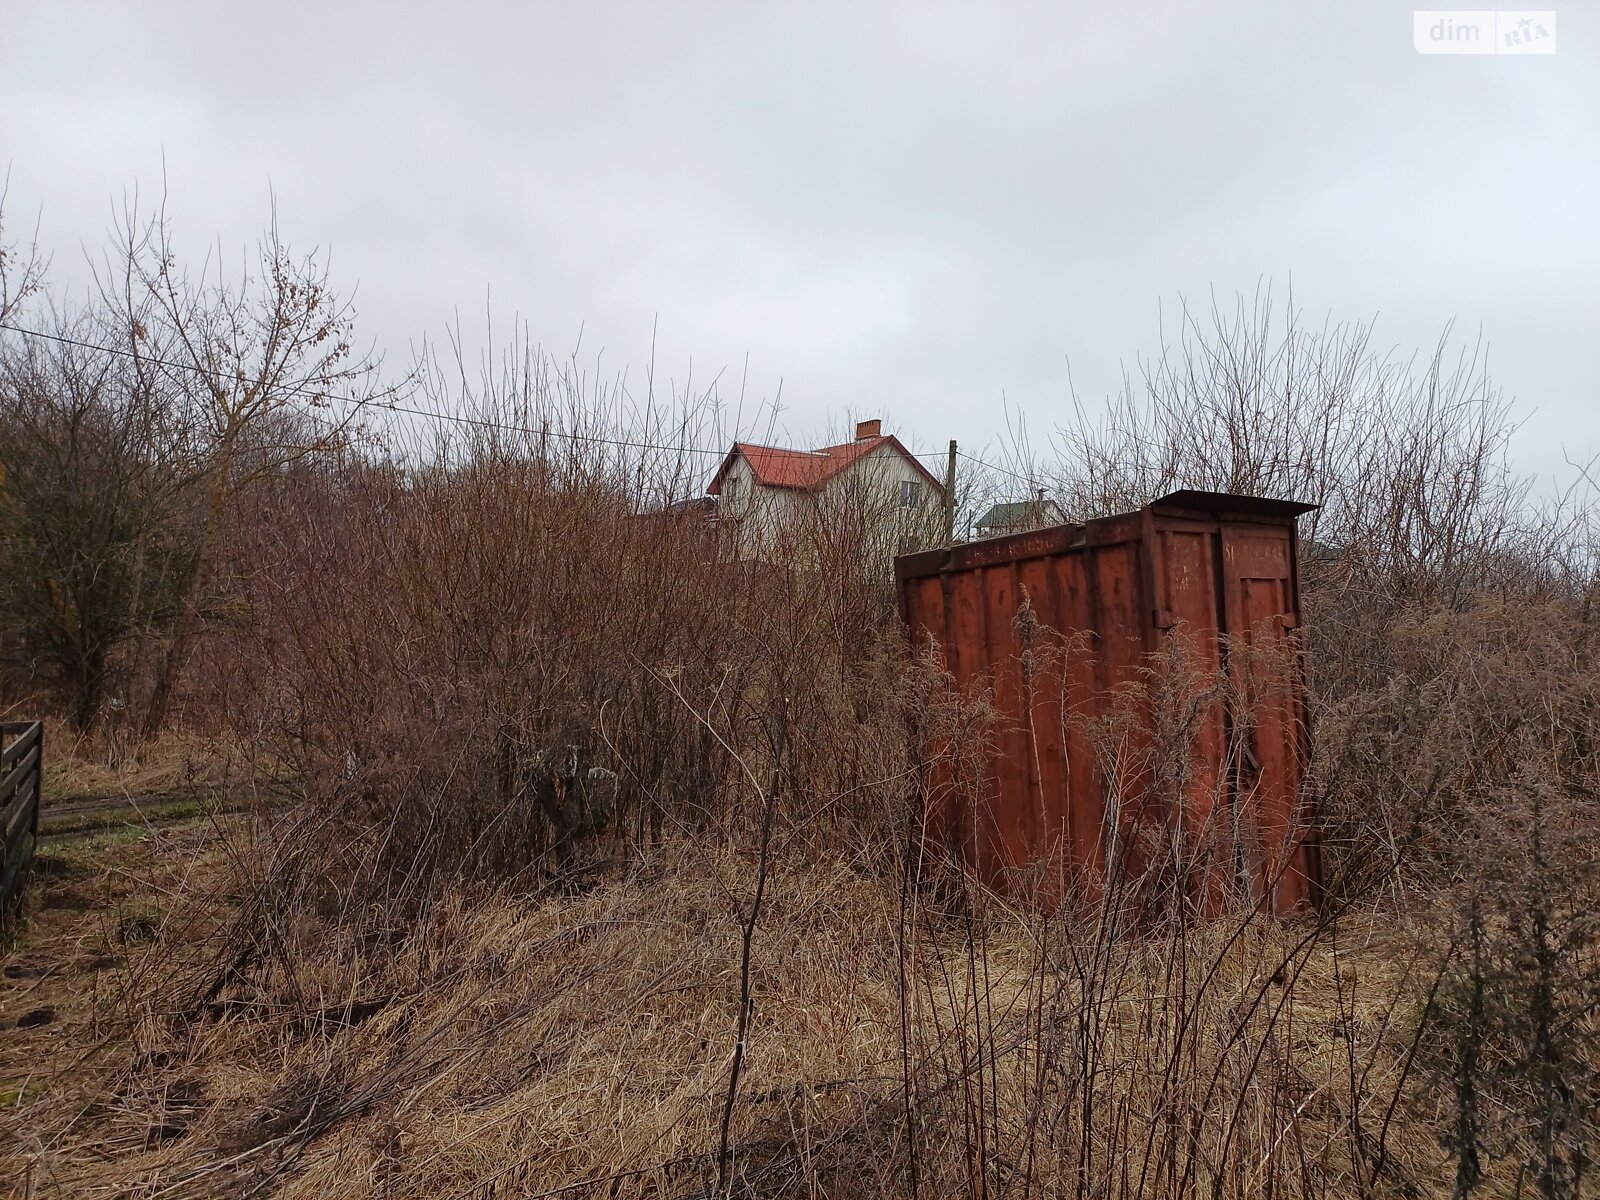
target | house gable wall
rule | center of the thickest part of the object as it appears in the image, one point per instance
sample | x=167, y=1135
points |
x=767, y=517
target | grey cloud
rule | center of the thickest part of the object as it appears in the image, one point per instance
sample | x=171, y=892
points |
x=911, y=209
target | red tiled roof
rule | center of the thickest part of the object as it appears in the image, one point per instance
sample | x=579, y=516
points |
x=807, y=469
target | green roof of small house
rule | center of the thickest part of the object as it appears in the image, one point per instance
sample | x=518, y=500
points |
x=1021, y=512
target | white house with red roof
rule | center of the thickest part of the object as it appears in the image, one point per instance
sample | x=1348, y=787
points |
x=769, y=496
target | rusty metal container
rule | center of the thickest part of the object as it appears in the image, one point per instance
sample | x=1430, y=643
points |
x=1074, y=638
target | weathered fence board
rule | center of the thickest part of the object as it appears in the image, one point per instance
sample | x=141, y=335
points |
x=21, y=764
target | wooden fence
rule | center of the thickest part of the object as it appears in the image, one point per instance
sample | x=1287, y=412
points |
x=21, y=765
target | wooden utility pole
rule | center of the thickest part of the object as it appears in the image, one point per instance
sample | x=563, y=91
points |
x=950, y=497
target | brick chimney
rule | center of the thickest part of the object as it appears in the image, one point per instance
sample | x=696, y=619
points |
x=868, y=429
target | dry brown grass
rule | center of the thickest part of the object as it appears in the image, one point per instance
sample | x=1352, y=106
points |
x=516, y=1045
x=99, y=914
x=535, y=1040
x=98, y=766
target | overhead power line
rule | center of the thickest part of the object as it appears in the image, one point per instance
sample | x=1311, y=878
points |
x=365, y=402
x=453, y=418
x=1028, y=479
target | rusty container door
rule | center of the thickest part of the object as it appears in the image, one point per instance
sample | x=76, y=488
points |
x=1262, y=610
x=1254, y=752
x=1055, y=630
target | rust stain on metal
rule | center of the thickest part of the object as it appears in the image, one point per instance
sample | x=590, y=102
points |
x=1101, y=604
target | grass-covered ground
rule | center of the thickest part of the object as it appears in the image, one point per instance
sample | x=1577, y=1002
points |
x=580, y=1043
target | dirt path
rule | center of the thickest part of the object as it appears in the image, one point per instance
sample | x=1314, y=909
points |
x=77, y=816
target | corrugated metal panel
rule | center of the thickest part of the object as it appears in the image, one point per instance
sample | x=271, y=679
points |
x=1062, y=800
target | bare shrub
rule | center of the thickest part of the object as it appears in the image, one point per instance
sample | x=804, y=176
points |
x=1515, y=1040
x=1406, y=458
x=95, y=540
x=135, y=429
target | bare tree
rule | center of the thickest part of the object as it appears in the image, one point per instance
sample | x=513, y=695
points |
x=95, y=549
x=21, y=268
x=258, y=369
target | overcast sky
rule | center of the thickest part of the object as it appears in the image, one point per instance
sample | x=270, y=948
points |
x=907, y=210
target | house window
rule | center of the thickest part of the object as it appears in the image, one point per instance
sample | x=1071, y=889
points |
x=910, y=493
x=730, y=490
